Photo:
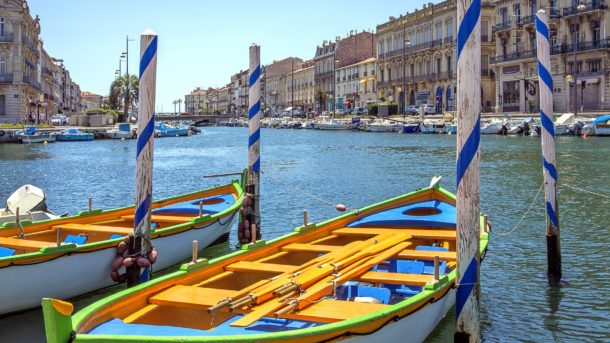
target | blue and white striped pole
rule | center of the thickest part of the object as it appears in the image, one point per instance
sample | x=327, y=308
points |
x=254, y=125
x=468, y=170
x=548, y=145
x=145, y=147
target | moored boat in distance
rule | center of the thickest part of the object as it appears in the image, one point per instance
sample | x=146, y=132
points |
x=327, y=123
x=601, y=126
x=164, y=130
x=432, y=126
x=367, y=276
x=69, y=256
x=410, y=128
x=120, y=131
x=72, y=134
x=381, y=125
x=31, y=134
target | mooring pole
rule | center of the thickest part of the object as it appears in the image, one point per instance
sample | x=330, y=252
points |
x=254, y=124
x=467, y=170
x=144, y=156
x=548, y=146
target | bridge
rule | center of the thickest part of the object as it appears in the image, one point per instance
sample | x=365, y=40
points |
x=203, y=119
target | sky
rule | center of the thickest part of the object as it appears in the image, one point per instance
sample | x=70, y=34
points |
x=201, y=43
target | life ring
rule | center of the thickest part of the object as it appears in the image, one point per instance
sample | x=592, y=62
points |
x=2, y=133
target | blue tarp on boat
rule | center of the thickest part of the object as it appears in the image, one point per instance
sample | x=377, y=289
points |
x=601, y=120
x=211, y=205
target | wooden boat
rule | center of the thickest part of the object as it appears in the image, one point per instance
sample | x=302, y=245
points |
x=71, y=135
x=69, y=256
x=366, y=276
x=31, y=134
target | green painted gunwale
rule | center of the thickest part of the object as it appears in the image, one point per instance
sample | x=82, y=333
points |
x=426, y=294
x=95, y=246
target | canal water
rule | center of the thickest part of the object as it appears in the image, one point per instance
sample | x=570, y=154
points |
x=357, y=169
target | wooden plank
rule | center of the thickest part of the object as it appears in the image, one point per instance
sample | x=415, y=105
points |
x=426, y=255
x=140, y=313
x=302, y=247
x=396, y=278
x=25, y=244
x=189, y=296
x=329, y=311
x=95, y=228
x=249, y=266
x=415, y=233
x=164, y=219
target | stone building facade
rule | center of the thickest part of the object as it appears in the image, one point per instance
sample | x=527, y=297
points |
x=578, y=38
x=324, y=70
x=33, y=85
x=356, y=84
x=417, y=51
x=300, y=87
x=274, y=86
x=196, y=101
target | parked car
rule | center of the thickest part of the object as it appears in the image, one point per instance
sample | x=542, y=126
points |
x=412, y=110
x=428, y=109
x=339, y=112
x=361, y=110
x=325, y=113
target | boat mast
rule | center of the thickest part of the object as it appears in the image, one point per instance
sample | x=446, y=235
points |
x=254, y=124
x=140, y=245
x=548, y=147
x=468, y=170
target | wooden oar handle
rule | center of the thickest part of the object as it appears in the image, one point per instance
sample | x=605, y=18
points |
x=220, y=304
x=239, y=303
x=293, y=286
x=292, y=305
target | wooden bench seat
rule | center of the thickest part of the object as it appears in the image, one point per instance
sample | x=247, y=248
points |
x=164, y=219
x=426, y=255
x=24, y=244
x=302, y=247
x=248, y=266
x=396, y=278
x=415, y=233
x=190, y=296
x=86, y=228
x=329, y=311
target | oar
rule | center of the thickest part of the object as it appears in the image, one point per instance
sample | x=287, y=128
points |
x=307, y=280
x=316, y=272
x=325, y=288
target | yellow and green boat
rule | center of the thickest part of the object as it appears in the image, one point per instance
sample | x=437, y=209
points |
x=383, y=273
x=69, y=256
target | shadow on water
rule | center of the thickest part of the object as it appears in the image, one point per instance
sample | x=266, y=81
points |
x=554, y=295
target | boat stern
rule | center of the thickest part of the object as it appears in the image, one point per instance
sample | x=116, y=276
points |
x=57, y=320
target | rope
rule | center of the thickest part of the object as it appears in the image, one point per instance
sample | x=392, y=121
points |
x=586, y=191
x=525, y=215
x=298, y=189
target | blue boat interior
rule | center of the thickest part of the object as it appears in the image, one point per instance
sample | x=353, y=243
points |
x=426, y=213
x=125, y=127
x=75, y=239
x=262, y=326
x=5, y=252
x=211, y=205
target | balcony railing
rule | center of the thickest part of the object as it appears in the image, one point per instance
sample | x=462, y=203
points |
x=503, y=26
x=6, y=78
x=528, y=20
x=32, y=82
x=582, y=46
x=448, y=40
x=590, y=6
x=514, y=56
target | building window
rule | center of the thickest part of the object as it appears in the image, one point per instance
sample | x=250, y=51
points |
x=510, y=93
x=504, y=14
x=2, y=27
x=439, y=31
x=594, y=66
x=517, y=11
x=2, y=65
x=450, y=28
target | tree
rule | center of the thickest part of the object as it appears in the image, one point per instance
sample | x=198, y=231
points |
x=118, y=96
x=322, y=96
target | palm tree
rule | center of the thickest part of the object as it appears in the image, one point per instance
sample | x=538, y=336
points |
x=124, y=94
x=322, y=96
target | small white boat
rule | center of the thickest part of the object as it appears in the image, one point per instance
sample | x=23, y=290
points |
x=327, y=123
x=492, y=127
x=120, y=131
x=601, y=126
x=381, y=125
x=451, y=129
x=563, y=123
x=30, y=134
x=30, y=202
x=433, y=126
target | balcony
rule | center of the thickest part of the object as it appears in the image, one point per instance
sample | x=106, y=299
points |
x=507, y=25
x=437, y=42
x=520, y=55
x=582, y=46
x=32, y=82
x=6, y=78
x=591, y=6
x=528, y=20
x=448, y=40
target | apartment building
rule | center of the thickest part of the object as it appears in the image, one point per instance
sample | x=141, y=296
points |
x=355, y=84
x=579, y=55
x=300, y=88
x=274, y=78
x=416, y=60
x=196, y=101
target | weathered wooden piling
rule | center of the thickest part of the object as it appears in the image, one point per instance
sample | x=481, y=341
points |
x=468, y=157
x=548, y=146
x=144, y=156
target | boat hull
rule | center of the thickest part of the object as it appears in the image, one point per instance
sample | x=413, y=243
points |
x=37, y=139
x=74, y=138
x=334, y=127
x=602, y=130
x=119, y=135
x=413, y=128
x=78, y=273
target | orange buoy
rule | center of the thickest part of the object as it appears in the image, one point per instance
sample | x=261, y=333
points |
x=341, y=207
x=585, y=136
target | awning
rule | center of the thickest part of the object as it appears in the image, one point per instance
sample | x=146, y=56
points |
x=591, y=81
